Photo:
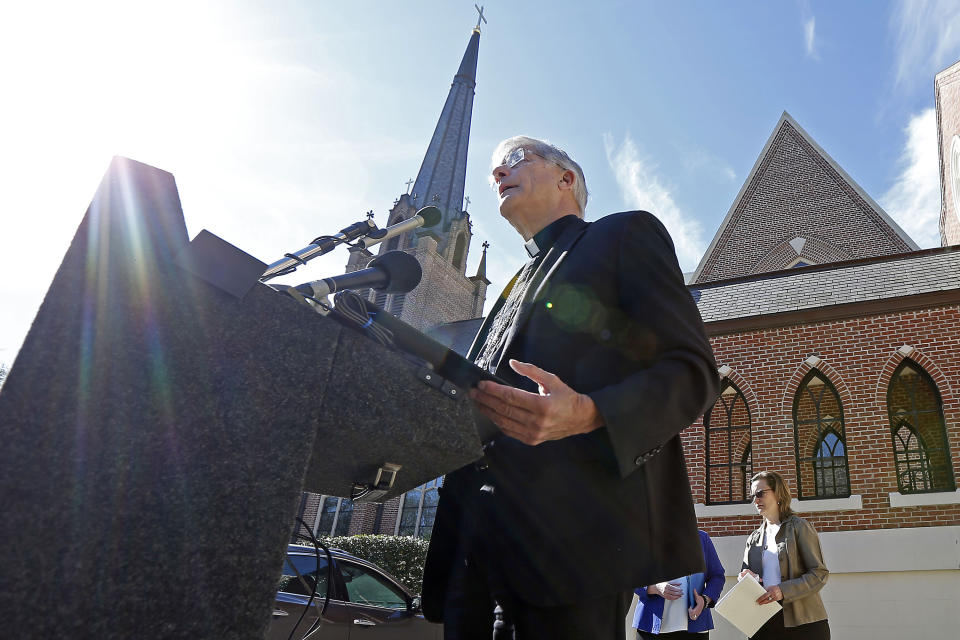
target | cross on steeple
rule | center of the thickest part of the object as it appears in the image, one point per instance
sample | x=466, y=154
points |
x=370, y=214
x=481, y=18
x=485, y=245
x=467, y=199
x=408, y=183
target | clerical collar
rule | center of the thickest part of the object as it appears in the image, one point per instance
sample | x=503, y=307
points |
x=545, y=238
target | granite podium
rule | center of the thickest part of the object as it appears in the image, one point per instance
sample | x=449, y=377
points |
x=159, y=426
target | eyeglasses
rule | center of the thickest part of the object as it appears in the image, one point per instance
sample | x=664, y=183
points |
x=514, y=158
x=758, y=494
x=518, y=155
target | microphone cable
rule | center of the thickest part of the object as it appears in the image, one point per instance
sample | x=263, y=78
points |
x=317, y=545
x=350, y=307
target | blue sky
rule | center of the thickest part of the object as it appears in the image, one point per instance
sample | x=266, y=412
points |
x=285, y=120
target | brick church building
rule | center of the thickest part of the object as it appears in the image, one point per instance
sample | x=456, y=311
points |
x=838, y=345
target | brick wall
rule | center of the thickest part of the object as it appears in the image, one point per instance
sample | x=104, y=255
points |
x=947, y=85
x=859, y=358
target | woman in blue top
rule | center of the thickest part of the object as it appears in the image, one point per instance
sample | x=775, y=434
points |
x=681, y=608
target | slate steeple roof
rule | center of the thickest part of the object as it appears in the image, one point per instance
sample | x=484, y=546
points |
x=440, y=181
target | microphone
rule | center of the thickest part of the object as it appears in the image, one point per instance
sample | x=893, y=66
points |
x=319, y=246
x=393, y=272
x=426, y=217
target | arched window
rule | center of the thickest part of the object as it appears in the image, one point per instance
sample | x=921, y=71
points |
x=829, y=466
x=460, y=251
x=920, y=449
x=728, y=447
x=820, y=440
x=912, y=460
x=418, y=509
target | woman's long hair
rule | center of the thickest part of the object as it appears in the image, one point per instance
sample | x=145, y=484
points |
x=780, y=489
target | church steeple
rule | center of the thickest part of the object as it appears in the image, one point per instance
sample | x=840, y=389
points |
x=445, y=293
x=442, y=175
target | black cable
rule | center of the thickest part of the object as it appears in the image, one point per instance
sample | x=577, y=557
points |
x=351, y=307
x=319, y=240
x=313, y=591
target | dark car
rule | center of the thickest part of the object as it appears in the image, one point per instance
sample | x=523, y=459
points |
x=366, y=603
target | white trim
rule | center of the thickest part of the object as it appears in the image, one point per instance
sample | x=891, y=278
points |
x=906, y=351
x=316, y=521
x=721, y=510
x=827, y=504
x=336, y=515
x=868, y=550
x=807, y=262
x=953, y=176
x=898, y=499
x=801, y=506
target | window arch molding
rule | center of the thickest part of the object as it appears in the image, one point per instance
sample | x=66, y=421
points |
x=746, y=387
x=820, y=438
x=813, y=363
x=942, y=382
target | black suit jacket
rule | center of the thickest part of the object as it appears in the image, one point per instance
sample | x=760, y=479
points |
x=609, y=313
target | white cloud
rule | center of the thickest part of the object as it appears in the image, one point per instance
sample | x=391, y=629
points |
x=705, y=163
x=642, y=188
x=914, y=199
x=809, y=40
x=927, y=35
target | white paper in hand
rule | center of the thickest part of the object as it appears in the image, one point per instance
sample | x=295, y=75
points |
x=740, y=607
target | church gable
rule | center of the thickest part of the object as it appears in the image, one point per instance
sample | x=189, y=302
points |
x=798, y=206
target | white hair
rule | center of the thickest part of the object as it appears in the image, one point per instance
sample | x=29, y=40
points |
x=550, y=153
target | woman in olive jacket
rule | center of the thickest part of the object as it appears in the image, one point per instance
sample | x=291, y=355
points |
x=784, y=555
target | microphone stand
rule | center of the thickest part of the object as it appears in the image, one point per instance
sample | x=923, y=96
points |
x=318, y=247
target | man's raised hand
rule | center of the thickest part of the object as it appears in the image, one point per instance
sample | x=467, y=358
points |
x=556, y=412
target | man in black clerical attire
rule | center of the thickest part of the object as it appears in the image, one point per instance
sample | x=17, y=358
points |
x=585, y=494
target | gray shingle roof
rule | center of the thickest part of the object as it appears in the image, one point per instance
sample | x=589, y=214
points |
x=457, y=336
x=845, y=283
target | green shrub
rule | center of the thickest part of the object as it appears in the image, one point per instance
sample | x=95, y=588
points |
x=400, y=556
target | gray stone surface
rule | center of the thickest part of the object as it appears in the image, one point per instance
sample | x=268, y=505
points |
x=376, y=411
x=156, y=435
